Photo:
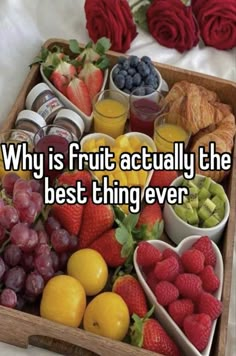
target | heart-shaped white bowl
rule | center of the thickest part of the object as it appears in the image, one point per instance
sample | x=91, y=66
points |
x=110, y=141
x=161, y=314
x=68, y=104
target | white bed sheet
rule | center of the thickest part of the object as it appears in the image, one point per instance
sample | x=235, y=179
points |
x=26, y=24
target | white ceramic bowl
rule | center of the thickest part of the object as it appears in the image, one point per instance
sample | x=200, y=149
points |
x=161, y=314
x=68, y=104
x=163, y=86
x=177, y=229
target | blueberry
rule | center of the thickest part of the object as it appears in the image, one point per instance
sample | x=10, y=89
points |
x=123, y=72
x=116, y=71
x=126, y=64
x=151, y=80
x=134, y=61
x=140, y=91
x=146, y=59
x=128, y=82
x=143, y=69
x=137, y=79
x=142, y=84
x=149, y=90
x=127, y=91
x=121, y=60
x=153, y=70
x=132, y=71
x=119, y=81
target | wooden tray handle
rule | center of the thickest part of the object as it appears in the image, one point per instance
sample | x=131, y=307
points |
x=59, y=338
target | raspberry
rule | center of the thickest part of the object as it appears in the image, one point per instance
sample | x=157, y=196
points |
x=167, y=270
x=197, y=328
x=152, y=280
x=204, y=245
x=193, y=261
x=210, y=281
x=208, y=304
x=166, y=293
x=168, y=252
x=179, y=309
x=147, y=255
x=189, y=285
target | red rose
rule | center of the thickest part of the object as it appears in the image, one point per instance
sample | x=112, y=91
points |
x=112, y=19
x=172, y=24
x=217, y=22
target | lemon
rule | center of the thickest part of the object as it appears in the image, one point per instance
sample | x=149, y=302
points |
x=90, y=268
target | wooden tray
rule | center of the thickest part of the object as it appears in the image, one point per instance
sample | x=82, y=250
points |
x=20, y=328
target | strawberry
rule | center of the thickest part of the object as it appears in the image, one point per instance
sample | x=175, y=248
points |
x=167, y=270
x=131, y=291
x=193, y=261
x=69, y=216
x=166, y=293
x=197, y=328
x=162, y=178
x=204, y=245
x=97, y=219
x=152, y=280
x=77, y=92
x=110, y=249
x=210, y=281
x=61, y=76
x=208, y=304
x=179, y=309
x=147, y=255
x=189, y=285
x=70, y=179
x=150, y=223
x=150, y=335
x=168, y=252
x=93, y=78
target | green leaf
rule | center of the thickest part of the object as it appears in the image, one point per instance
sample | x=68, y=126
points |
x=89, y=44
x=102, y=45
x=186, y=2
x=48, y=71
x=122, y=235
x=136, y=333
x=140, y=17
x=103, y=63
x=74, y=46
x=119, y=214
x=128, y=247
x=130, y=221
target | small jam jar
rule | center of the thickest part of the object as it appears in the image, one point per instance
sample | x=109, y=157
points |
x=42, y=100
x=71, y=121
x=29, y=121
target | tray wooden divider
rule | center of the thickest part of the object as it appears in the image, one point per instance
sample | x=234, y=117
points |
x=20, y=329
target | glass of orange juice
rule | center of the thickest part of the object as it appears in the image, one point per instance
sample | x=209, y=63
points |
x=110, y=111
x=168, y=130
x=15, y=136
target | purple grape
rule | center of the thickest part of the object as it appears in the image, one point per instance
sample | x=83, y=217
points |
x=22, y=185
x=43, y=264
x=42, y=249
x=60, y=240
x=2, y=203
x=73, y=243
x=63, y=258
x=21, y=200
x=52, y=224
x=43, y=237
x=15, y=278
x=28, y=214
x=37, y=199
x=20, y=302
x=27, y=262
x=12, y=255
x=8, y=182
x=34, y=284
x=2, y=268
x=20, y=235
x=3, y=236
x=8, y=298
x=55, y=261
x=35, y=185
x=33, y=241
x=9, y=216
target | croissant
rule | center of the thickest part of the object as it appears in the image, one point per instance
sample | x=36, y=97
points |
x=223, y=136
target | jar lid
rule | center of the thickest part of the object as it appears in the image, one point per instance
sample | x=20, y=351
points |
x=34, y=93
x=32, y=116
x=72, y=116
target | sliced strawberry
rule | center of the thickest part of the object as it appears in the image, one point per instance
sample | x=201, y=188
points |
x=93, y=78
x=61, y=76
x=77, y=93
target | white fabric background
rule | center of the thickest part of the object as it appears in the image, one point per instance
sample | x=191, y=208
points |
x=26, y=24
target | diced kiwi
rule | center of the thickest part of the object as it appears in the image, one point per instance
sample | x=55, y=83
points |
x=193, y=197
x=193, y=218
x=217, y=189
x=212, y=221
x=203, y=194
x=220, y=206
x=180, y=211
x=206, y=209
x=207, y=182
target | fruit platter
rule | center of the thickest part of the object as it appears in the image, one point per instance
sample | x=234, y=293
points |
x=100, y=278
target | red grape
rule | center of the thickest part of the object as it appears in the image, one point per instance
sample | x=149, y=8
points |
x=37, y=200
x=2, y=268
x=22, y=185
x=34, y=284
x=42, y=237
x=3, y=236
x=73, y=243
x=43, y=264
x=63, y=258
x=35, y=185
x=2, y=203
x=21, y=199
x=20, y=235
x=12, y=255
x=42, y=249
x=55, y=261
x=33, y=241
x=8, y=182
x=60, y=240
x=15, y=278
x=8, y=298
x=27, y=262
x=29, y=214
x=52, y=224
x=9, y=216
x=20, y=302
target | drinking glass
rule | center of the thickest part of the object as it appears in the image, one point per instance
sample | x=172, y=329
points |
x=110, y=111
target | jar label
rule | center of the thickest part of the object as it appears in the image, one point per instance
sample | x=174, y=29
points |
x=60, y=132
x=49, y=107
x=22, y=136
